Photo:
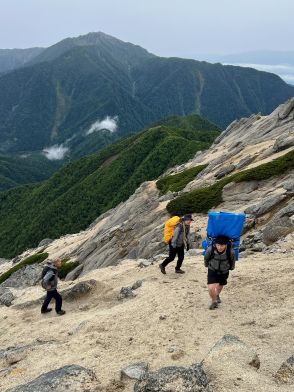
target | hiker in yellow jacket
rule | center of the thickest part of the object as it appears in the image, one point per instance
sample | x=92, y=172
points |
x=176, y=235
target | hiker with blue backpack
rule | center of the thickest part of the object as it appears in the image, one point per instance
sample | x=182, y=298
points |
x=49, y=283
x=221, y=250
x=219, y=259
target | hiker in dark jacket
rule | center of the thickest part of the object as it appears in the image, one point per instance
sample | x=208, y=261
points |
x=49, y=283
x=178, y=243
x=219, y=259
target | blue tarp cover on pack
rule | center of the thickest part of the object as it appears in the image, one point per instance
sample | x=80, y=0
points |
x=229, y=224
x=225, y=223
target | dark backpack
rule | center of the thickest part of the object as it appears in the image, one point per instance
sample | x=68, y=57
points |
x=44, y=272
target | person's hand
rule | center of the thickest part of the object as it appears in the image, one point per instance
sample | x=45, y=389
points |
x=188, y=247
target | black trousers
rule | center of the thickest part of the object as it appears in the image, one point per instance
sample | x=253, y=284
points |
x=58, y=300
x=173, y=252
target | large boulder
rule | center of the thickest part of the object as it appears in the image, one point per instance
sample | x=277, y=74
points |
x=280, y=225
x=71, y=378
x=174, y=379
x=231, y=359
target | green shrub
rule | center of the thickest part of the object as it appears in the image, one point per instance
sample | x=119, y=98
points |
x=202, y=200
x=177, y=182
x=34, y=259
x=66, y=267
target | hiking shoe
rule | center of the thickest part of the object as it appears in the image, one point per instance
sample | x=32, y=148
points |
x=46, y=310
x=61, y=312
x=213, y=305
x=218, y=300
x=162, y=269
x=179, y=271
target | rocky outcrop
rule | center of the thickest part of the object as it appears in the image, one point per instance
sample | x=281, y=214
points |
x=72, y=378
x=266, y=205
x=281, y=224
x=30, y=275
x=176, y=379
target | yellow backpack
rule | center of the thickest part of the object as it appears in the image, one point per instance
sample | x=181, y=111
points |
x=169, y=228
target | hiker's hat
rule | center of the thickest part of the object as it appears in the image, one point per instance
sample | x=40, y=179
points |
x=188, y=217
x=222, y=240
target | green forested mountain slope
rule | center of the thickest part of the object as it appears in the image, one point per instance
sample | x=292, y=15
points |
x=77, y=81
x=15, y=171
x=80, y=191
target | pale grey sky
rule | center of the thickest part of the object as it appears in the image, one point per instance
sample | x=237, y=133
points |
x=164, y=27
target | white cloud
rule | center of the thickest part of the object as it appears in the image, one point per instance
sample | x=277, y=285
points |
x=55, y=152
x=109, y=123
x=286, y=72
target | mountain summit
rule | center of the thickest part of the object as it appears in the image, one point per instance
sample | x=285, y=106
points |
x=68, y=87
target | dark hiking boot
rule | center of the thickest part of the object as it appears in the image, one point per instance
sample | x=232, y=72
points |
x=218, y=300
x=46, y=310
x=179, y=271
x=162, y=269
x=213, y=305
x=61, y=312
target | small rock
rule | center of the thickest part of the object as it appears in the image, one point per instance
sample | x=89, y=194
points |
x=126, y=292
x=142, y=263
x=162, y=317
x=6, y=298
x=136, y=285
x=135, y=371
x=285, y=374
x=174, y=379
x=77, y=327
x=14, y=357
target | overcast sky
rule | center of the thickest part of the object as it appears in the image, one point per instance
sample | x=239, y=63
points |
x=164, y=27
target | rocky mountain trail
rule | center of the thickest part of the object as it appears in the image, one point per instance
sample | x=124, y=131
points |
x=167, y=324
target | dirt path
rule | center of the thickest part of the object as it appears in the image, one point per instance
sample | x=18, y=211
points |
x=256, y=307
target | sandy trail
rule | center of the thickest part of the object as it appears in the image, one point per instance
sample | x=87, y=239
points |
x=256, y=307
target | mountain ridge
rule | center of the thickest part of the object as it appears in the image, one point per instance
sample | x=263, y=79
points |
x=48, y=102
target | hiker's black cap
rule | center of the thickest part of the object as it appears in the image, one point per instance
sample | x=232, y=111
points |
x=222, y=240
x=188, y=217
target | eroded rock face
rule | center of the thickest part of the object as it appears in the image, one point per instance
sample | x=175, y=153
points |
x=266, y=205
x=30, y=275
x=281, y=225
x=175, y=379
x=72, y=378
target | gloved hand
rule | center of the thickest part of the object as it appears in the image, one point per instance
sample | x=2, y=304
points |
x=188, y=247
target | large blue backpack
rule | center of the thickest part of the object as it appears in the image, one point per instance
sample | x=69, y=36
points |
x=228, y=224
